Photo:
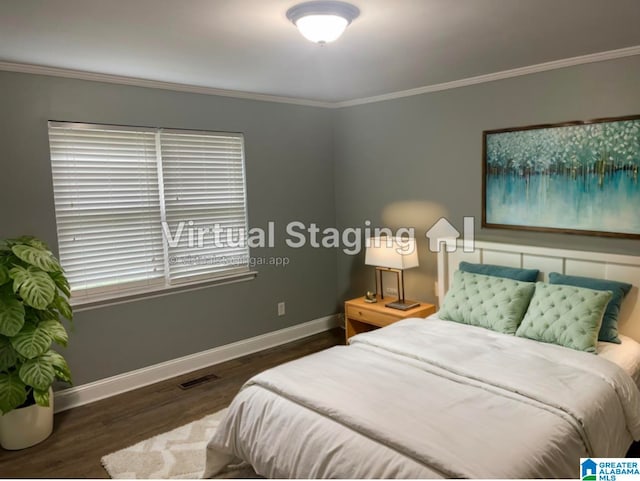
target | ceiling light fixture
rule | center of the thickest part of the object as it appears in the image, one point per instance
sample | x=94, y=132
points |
x=322, y=21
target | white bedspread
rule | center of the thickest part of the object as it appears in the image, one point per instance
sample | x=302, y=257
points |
x=425, y=399
x=626, y=355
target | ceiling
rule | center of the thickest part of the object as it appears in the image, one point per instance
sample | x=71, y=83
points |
x=250, y=46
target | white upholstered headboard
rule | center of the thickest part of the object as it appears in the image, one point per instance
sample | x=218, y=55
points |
x=579, y=263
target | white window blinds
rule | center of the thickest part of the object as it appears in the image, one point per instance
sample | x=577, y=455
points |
x=114, y=187
x=204, y=183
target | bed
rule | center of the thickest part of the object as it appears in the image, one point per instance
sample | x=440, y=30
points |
x=439, y=399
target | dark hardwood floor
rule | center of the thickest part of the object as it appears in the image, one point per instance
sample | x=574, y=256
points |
x=83, y=435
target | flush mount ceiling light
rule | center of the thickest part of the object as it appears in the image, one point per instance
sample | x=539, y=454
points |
x=322, y=21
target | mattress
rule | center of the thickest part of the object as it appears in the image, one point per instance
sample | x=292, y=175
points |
x=626, y=355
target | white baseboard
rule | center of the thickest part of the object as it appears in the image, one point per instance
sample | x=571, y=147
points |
x=94, y=391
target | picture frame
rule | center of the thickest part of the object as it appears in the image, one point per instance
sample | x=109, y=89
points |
x=579, y=177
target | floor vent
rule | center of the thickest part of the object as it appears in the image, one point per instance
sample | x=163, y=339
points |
x=197, y=381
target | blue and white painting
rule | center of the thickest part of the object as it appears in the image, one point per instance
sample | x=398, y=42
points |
x=575, y=177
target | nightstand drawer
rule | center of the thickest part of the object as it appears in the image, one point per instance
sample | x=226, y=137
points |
x=370, y=317
x=361, y=316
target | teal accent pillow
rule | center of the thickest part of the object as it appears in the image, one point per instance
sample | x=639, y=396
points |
x=565, y=315
x=609, y=329
x=494, y=303
x=523, y=275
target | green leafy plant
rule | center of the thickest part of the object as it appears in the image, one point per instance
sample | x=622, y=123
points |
x=34, y=296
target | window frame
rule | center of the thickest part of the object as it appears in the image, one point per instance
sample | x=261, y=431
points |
x=135, y=290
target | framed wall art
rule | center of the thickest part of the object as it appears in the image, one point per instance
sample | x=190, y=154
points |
x=575, y=177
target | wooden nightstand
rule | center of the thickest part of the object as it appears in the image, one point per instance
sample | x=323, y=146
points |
x=361, y=316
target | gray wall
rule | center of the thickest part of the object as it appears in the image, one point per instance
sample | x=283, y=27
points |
x=289, y=177
x=413, y=160
x=404, y=162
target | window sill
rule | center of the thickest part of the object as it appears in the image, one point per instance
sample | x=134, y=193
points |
x=85, y=304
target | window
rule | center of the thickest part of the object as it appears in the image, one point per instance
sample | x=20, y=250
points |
x=136, y=208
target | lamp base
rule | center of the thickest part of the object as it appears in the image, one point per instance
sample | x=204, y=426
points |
x=402, y=306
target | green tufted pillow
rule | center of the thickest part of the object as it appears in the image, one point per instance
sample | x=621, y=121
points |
x=565, y=315
x=494, y=303
x=609, y=328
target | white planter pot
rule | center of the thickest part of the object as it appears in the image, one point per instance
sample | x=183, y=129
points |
x=27, y=426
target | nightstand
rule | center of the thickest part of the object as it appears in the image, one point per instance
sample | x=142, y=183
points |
x=361, y=316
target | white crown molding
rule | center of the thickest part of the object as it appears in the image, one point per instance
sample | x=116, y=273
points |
x=155, y=84
x=505, y=74
x=111, y=386
x=138, y=82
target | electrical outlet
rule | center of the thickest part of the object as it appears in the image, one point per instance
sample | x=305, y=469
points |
x=391, y=291
x=281, y=309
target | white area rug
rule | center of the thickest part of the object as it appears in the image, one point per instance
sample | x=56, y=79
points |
x=177, y=454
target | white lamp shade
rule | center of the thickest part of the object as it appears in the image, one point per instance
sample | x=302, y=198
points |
x=322, y=21
x=322, y=28
x=392, y=252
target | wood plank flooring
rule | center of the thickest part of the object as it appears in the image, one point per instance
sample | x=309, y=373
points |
x=83, y=435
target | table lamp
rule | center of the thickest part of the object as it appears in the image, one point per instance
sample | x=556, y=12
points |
x=391, y=254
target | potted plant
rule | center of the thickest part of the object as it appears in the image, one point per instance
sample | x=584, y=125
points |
x=34, y=296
